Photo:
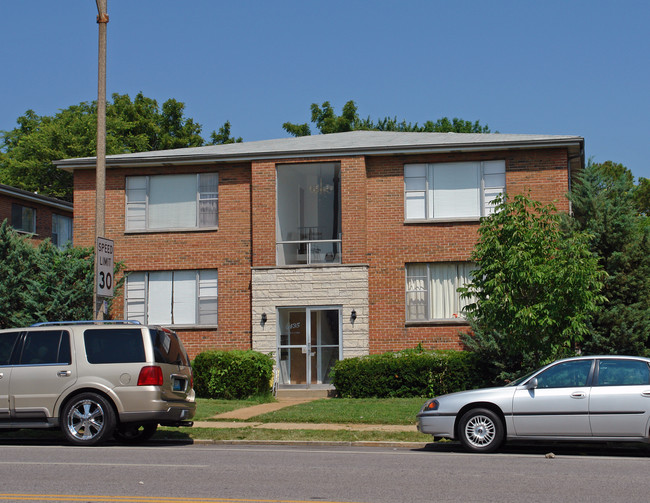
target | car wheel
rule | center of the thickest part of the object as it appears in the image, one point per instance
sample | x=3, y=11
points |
x=87, y=419
x=481, y=430
x=133, y=433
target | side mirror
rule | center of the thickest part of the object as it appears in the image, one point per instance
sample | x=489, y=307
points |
x=532, y=384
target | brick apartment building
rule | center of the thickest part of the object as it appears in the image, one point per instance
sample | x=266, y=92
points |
x=38, y=216
x=314, y=248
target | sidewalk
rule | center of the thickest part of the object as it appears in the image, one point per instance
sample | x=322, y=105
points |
x=244, y=414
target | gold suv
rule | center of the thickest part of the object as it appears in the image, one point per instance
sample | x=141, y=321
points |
x=95, y=380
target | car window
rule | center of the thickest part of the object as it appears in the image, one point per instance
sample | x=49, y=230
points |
x=566, y=374
x=622, y=372
x=7, y=343
x=46, y=347
x=167, y=348
x=123, y=345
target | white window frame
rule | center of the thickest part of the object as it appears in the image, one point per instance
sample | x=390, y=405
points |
x=424, y=190
x=137, y=203
x=450, y=302
x=205, y=299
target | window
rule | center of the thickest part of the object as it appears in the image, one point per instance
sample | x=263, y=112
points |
x=456, y=190
x=172, y=297
x=114, y=346
x=23, y=218
x=431, y=290
x=172, y=201
x=46, y=347
x=167, y=347
x=7, y=343
x=308, y=214
x=565, y=375
x=61, y=230
x=622, y=373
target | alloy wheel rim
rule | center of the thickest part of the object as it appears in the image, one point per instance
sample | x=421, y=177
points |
x=480, y=431
x=86, y=420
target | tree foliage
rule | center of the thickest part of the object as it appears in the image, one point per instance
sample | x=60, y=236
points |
x=535, y=288
x=44, y=283
x=327, y=121
x=138, y=125
x=607, y=205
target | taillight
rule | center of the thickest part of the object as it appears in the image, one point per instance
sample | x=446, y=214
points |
x=150, y=376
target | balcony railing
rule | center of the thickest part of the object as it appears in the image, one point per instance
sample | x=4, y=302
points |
x=322, y=251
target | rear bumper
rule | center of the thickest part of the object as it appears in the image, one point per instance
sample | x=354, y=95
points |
x=172, y=415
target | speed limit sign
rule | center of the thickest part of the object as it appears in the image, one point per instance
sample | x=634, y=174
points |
x=104, y=280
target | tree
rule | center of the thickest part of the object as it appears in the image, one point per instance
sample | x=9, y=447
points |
x=327, y=122
x=223, y=136
x=43, y=283
x=534, y=289
x=140, y=125
x=606, y=204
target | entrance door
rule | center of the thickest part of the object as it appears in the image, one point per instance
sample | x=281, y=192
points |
x=309, y=344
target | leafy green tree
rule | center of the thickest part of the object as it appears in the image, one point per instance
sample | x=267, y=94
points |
x=43, y=283
x=327, y=122
x=223, y=136
x=606, y=205
x=534, y=291
x=138, y=125
x=17, y=283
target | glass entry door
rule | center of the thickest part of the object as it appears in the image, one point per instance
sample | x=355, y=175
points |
x=309, y=343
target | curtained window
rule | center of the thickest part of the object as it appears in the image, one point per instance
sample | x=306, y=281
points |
x=172, y=297
x=447, y=191
x=431, y=290
x=172, y=201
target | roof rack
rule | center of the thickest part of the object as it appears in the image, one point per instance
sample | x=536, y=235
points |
x=85, y=322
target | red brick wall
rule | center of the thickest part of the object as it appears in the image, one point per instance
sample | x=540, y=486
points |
x=392, y=243
x=43, y=215
x=227, y=249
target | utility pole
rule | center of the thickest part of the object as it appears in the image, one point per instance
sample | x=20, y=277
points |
x=100, y=185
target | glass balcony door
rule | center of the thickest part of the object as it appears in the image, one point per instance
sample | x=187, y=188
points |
x=308, y=214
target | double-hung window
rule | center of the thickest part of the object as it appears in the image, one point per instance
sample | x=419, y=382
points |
x=23, y=218
x=172, y=201
x=431, y=290
x=173, y=297
x=449, y=191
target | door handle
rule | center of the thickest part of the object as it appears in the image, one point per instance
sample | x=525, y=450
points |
x=578, y=394
x=63, y=373
x=646, y=394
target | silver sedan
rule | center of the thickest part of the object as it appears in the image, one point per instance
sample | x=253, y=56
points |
x=605, y=398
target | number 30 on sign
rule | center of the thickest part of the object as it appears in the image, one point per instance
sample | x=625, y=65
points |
x=104, y=278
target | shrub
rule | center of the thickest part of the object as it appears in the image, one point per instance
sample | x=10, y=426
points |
x=407, y=373
x=232, y=374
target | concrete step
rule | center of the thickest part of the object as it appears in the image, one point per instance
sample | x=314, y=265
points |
x=301, y=393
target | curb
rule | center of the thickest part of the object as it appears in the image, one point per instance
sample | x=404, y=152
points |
x=315, y=443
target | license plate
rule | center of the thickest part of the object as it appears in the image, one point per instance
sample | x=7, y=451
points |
x=179, y=385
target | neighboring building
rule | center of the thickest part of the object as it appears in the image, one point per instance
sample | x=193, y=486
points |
x=38, y=216
x=313, y=248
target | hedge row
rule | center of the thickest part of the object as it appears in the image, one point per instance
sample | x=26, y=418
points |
x=406, y=374
x=232, y=374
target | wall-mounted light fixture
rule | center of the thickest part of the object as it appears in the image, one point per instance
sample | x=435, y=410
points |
x=353, y=315
x=264, y=318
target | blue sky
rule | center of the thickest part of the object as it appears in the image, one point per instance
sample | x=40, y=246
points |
x=551, y=67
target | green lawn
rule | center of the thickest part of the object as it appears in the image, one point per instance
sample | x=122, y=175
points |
x=332, y=410
x=209, y=407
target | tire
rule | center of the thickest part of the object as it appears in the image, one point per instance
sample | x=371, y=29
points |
x=481, y=430
x=133, y=433
x=87, y=419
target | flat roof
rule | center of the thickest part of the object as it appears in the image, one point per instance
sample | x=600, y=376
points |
x=335, y=144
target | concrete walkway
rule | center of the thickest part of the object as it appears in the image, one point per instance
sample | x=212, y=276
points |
x=244, y=414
